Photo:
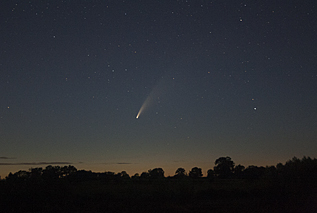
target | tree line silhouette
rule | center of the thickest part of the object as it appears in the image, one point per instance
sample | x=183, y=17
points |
x=295, y=169
x=284, y=186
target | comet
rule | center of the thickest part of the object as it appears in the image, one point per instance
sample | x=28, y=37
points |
x=146, y=103
x=155, y=94
x=137, y=116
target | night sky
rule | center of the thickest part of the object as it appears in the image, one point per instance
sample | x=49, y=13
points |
x=215, y=78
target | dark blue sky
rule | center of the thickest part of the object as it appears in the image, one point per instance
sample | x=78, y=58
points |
x=222, y=78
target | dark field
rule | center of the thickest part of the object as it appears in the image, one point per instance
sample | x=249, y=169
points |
x=166, y=195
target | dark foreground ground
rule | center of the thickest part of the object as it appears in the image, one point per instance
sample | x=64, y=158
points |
x=158, y=196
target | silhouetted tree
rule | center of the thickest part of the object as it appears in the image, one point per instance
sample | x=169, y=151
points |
x=180, y=172
x=125, y=175
x=36, y=175
x=10, y=176
x=224, y=167
x=36, y=172
x=195, y=172
x=210, y=174
x=122, y=176
x=18, y=177
x=83, y=175
x=298, y=171
x=108, y=176
x=156, y=173
x=271, y=174
x=52, y=173
x=136, y=176
x=144, y=176
x=23, y=174
x=68, y=170
x=238, y=171
x=253, y=172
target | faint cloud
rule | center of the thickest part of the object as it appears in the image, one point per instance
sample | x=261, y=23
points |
x=5, y=158
x=33, y=163
x=119, y=163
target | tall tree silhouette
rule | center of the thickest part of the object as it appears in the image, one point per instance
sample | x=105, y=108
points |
x=224, y=167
